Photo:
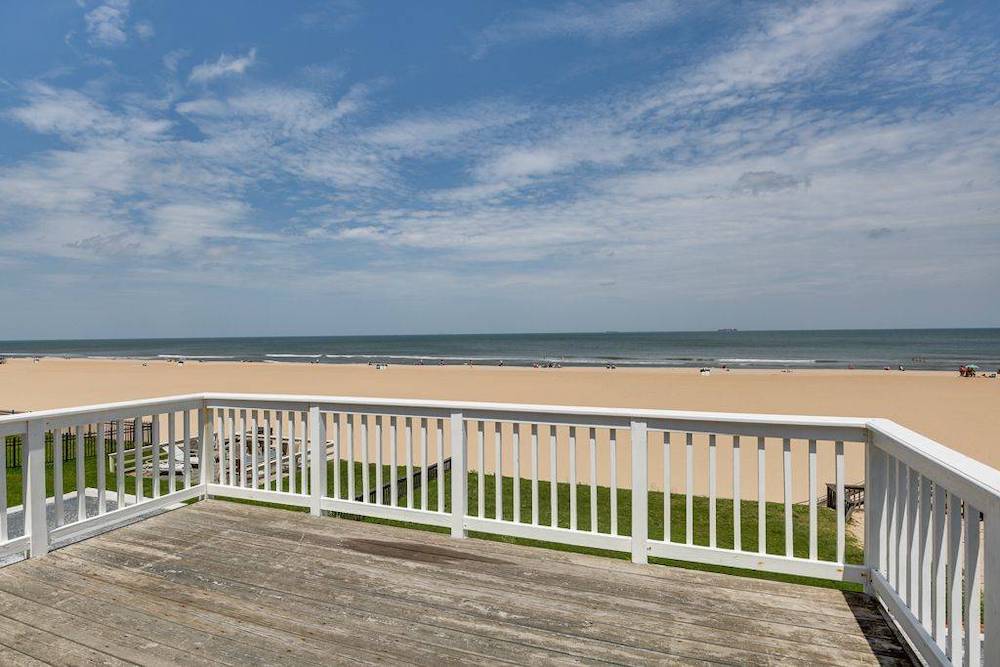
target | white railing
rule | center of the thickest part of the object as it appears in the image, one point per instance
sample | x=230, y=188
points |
x=565, y=475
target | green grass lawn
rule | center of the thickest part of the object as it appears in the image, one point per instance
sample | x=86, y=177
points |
x=775, y=533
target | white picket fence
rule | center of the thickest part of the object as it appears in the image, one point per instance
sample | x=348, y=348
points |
x=932, y=524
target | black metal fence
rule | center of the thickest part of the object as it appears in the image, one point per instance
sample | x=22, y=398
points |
x=14, y=445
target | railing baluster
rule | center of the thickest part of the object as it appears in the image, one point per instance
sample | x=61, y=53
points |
x=891, y=521
x=119, y=462
x=973, y=588
x=439, y=425
x=154, y=455
x=187, y=449
x=394, y=460
x=639, y=444
x=220, y=440
x=553, y=479
x=365, y=471
x=352, y=490
x=956, y=528
x=481, y=476
x=171, y=457
x=393, y=456
x=737, y=525
x=81, y=476
x=786, y=456
x=280, y=449
x=913, y=534
x=459, y=475
x=667, y=499
x=424, y=482
x=102, y=471
x=516, y=509
x=813, y=538
x=231, y=427
x=56, y=464
x=254, y=417
x=304, y=481
x=574, y=520
x=338, y=454
x=902, y=555
x=266, y=451
x=689, y=489
x=534, y=475
x=761, y=496
x=593, y=480
x=711, y=491
x=378, y=459
x=939, y=576
x=57, y=481
x=926, y=543
x=292, y=465
x=613, y=447
x=408, y=443
x=498, y=472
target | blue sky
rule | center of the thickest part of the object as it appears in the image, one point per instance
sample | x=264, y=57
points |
x=253, y=168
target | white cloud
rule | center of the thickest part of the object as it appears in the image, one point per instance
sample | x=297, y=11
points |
x=145, y=30
x=225, y=66
x=106, y=23
x=592, y=20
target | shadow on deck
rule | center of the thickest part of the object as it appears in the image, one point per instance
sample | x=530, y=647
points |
x=219, y=582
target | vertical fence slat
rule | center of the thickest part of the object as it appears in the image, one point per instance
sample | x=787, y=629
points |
x=423, y=462
x=902, y=556
x=737, y=526
x=440, y=461
x=711, y=491
x=613, y=451
x=553, y=480
x=498, y=471
x=120, y=461
x=689, y=489
x=667, y=499
x=926, y=546
x=459, y=475
x=393, y=459
x=254, y=416
x=56, y=462
x=187, y=448
x=892, y=519
x=516, y=514
x=408, y=443
x=266, y=450
x=292, y=464
x=593, y=480
x=973, y=588
x=913, y=537
x=171, y=455
x=786, y=457
x=813, y=528
x=81, y=476
x=281, y=451
x=231, y=427
x=534, y=474
x=304, y=481
x=940, y=567
x=841, y=510
x=57, y=481
x=379, y=435
x=761, y=497
x=639, y=444
x=574, y=520
x=956, y=528
x=102, y=470
x=481, y=476
x=352, y=490
x=365, y=465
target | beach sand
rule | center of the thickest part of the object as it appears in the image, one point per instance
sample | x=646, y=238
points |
x=961, y=413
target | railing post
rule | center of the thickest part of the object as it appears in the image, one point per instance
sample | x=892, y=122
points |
x=35, y=519
x=640, y=492
x=206, y=449
x=317, y=460
x=459, y=476
x=991, y=551
x=874, y=494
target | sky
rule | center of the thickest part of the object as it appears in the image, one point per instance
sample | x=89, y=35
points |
x=188, y=168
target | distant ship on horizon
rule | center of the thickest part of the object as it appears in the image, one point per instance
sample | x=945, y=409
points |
x=727, y=330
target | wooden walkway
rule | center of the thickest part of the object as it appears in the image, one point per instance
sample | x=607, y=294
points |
x=219, y=582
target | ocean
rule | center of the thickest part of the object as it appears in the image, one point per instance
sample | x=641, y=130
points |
x=941, y=349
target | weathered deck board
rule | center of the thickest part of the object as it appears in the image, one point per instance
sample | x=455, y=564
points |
x=224, y=583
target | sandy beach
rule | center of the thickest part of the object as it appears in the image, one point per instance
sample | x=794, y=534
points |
x=960, y=413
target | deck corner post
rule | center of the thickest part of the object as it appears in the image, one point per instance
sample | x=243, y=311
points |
x=874, y=485
x=991, y=616
x=317, y=463
x=36, y=521
x=640, y=492
x=206, y=449
x=459, y=476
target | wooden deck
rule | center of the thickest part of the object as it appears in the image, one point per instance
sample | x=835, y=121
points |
x=219, y=582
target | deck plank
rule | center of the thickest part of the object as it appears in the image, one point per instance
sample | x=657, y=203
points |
x=226, y=583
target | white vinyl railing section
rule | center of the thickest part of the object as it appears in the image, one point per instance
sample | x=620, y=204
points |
x=566, y=475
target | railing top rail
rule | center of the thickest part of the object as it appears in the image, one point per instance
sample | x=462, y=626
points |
x=121, y=406
x=569, y=410
x=975, y=481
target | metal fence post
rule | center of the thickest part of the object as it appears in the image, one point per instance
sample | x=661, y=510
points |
x=640, y=493
x=36, y=521
x=459, y=476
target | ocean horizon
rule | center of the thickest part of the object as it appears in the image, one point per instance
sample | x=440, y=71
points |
x=929, y=349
